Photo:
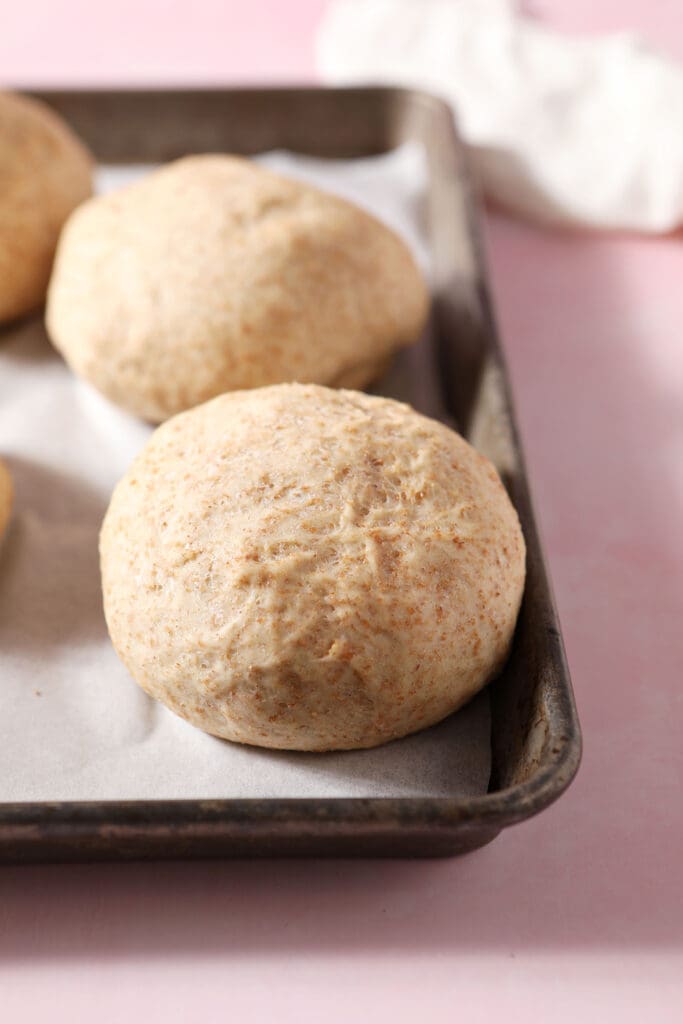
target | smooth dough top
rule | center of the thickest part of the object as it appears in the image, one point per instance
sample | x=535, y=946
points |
x=213, y=274
x=311, y=569
x=44, y=173
x=6, y=497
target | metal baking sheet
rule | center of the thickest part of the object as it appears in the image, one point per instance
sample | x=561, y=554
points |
x=535, y=738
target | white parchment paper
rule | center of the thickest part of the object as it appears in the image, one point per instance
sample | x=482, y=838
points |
x=73, y=724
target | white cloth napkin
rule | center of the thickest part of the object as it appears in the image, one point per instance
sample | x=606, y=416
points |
x=562, y=129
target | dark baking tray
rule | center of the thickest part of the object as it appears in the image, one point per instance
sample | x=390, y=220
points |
x=536, y=742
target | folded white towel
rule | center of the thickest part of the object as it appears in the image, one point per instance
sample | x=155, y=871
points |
x=562, y=129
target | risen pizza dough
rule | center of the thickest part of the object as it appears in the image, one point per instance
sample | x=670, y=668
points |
x=213, y=274
x=311, y=569
x=44, y=173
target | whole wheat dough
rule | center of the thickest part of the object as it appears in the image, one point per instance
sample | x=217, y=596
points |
x=311, y=569
x=44, y=173
x=214, y=274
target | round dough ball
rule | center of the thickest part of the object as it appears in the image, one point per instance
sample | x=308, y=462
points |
x=6, y=497
x=213, y=274
x=44, y=173
x=311, y=569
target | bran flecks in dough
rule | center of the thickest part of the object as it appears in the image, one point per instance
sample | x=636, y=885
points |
x=312, y=569
x=213, y=274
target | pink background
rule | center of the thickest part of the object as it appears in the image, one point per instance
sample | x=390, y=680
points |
x=578, y=911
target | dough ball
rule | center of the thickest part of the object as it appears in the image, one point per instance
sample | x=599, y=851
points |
x=311, y=569
x=213, y=274
x=44, y=173
x=6, y=497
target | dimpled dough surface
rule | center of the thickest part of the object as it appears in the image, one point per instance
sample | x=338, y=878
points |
x=311, y=569
x=213, y=274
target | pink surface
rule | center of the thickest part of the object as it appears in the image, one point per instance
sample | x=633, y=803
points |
x=577, y=912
